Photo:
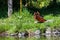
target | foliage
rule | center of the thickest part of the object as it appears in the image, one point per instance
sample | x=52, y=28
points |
x=25, y=21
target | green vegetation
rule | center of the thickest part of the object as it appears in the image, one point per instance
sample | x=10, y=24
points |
x=25, y=21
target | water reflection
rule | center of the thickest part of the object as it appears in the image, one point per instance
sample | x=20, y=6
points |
x=36, y=37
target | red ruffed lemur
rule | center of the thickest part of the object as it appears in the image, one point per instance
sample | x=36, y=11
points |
x=38, y=17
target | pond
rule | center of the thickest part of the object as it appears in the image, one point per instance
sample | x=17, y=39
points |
x=37, y=37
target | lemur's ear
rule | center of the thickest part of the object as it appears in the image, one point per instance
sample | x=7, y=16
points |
x=38, y=13
x=35, y=13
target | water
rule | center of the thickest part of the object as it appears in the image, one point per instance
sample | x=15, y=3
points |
x=36, y=37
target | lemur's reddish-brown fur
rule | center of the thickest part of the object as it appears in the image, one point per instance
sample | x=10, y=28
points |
x=38, y=17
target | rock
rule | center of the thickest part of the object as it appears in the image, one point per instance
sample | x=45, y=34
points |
x=37, y=32
x=23, y=34
x=26, y=33
x=48, y=31
x=58, y=30
x=19, y=35
x=13, y=34
x=31, y=33
x=4, y=34
x=55, y=32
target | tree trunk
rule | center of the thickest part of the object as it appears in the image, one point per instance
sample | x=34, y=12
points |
x=20, y=6
x=9, y=8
